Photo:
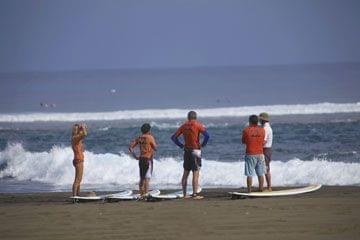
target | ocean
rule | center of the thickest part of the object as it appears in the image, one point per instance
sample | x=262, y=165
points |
x=313, y=143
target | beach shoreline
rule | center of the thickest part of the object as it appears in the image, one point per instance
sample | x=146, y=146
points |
x=329, y=213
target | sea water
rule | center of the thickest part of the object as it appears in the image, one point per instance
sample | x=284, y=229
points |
x=313, y=143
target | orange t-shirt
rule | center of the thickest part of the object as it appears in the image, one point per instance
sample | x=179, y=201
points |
x=147, y=145
x=253, y=136
x=191, y=131
x=78, y=149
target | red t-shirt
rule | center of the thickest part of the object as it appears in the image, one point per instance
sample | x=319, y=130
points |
x=191, y=131
x=253, y=136
x=147, y=145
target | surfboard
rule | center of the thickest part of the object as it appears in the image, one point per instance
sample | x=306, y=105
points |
x=130, y=196
x=287, y=192
x=174, y=195
x=101, y=197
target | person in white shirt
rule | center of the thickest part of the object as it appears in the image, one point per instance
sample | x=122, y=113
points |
x=264, y=120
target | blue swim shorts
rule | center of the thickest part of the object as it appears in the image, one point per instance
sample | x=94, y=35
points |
x=254, y=164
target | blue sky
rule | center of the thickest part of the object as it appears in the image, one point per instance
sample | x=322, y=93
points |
x=40, y=35
x=181, y=53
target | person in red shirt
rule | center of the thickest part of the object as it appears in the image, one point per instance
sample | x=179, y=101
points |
x=79, y=131
x=253, y=136
x=192, y=150
x=147, y=147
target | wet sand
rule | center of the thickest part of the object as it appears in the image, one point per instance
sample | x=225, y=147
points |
x=330, y=213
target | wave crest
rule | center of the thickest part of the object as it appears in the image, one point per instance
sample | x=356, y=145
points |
x=318, y=108
x=55, y=167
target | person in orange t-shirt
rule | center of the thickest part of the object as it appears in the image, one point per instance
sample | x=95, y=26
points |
x=147, y=147
x=79, y=131
x=253, y=136
x=192, y=154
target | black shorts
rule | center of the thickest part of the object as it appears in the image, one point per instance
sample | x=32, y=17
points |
x=145, y=167
x=268, y=155
x=191, y=162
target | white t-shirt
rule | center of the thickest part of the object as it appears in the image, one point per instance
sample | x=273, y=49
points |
x=268, y=135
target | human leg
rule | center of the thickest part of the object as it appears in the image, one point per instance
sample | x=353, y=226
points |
x=268, y=156
x=261, y=183
x=145, y=170
x=141, y=186
x=249, y=170
x=79, y=168
x=268, y=180
x=148, y=176
x=260, y=170
x=249, y=183
x=184, y=181
x=146, y=185
x=188, y=166
x=195, y=181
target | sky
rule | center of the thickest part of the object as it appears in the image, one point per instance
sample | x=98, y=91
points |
x=64, y=35
x=176, y=53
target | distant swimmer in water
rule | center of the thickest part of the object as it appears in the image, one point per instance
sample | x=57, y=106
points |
x=264, y=120
x=147, y=147
x=79, y=131
x=253, y=136
x=192, y=150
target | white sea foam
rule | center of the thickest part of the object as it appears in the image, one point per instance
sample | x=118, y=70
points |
x=165, y=125
x=104, y=129
x=318, y=108
x=178, y=124
x=55, y=167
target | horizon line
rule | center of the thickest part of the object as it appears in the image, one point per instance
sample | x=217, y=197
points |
x=185, y=68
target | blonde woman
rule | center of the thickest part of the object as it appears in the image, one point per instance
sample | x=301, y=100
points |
x=79, y=132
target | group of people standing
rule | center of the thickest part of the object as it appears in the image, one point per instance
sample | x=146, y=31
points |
x=258, y=141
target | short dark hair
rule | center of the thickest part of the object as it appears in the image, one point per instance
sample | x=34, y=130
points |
x=192, y=115
x=145, y=128
x=253, y=119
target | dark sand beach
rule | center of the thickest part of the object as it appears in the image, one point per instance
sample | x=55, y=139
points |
x=330, y=213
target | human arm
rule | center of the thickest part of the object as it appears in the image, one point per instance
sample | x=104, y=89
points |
x=132, y=146
x=266, y=137
x=243, y=137
x=175, y=137
x=202, y=130
x=153, y=144
x=206, y=138
x=176, y=140
x=269, y=137
x=80, y=133
x=83, y=129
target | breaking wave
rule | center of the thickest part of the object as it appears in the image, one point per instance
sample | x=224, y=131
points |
x=55, y=167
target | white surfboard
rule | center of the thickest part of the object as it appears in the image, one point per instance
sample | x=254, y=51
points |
x=287, y=192
x=101, y=197
x=174, y=195
x=131, y=196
